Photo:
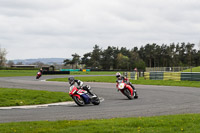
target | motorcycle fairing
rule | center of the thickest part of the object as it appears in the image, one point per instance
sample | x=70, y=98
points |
x=72, y=90
x=81, y=92
x=76, y=95
x=130, y=89
x=86, y=98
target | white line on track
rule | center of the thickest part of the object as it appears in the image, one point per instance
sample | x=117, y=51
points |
x=42, y=105
x=37, y=106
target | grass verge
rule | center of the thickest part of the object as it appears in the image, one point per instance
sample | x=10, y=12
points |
x=187, y=123
x=112, y=79
x=18, y=97
x=194, y=69
x=12, y=73
x=93, y=73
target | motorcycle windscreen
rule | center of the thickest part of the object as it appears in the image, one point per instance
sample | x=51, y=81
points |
x=86, y=98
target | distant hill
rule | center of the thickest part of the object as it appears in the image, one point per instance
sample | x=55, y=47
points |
x=43, y=60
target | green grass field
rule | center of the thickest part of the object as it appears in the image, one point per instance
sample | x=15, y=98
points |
x=93, y=73
x=187, y=123
x=12, y=73
x=18, y=97
x=112, y=79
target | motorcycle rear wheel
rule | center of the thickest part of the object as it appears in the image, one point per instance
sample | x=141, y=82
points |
x=79, y=102
x=128, y=94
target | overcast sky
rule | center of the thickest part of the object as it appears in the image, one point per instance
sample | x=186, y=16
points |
x=59, y=28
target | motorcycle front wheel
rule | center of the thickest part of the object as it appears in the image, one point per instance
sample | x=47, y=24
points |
x=79, y=102
x=96, y=101
x=135, y=95
x=128, y=94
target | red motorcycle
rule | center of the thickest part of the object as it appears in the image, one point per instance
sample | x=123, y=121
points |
x=82, y=97
x=39, y=74
x=126, y=89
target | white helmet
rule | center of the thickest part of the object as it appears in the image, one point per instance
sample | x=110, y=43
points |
x=118, y=74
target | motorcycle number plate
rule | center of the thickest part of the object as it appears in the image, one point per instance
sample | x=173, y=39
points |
x=121, y=86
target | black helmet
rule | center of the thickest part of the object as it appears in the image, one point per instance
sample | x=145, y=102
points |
x=71, y=80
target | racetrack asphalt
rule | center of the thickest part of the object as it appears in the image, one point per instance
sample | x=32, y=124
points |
x=153, y=100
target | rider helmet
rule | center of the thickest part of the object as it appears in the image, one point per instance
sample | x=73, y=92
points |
x=118, y=74
x=71, y=80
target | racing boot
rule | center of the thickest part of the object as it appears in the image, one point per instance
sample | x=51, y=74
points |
x=92, y=96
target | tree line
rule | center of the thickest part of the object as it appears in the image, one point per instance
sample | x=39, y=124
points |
x=3, y=53
x=150, y=55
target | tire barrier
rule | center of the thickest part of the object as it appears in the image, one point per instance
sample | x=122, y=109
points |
x=191, y=76
x=177, y=76
x=131, y=75
x=172, y=76
x=156, y=75
x=146, y=75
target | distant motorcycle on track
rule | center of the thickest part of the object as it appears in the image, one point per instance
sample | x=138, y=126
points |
x=39, y=74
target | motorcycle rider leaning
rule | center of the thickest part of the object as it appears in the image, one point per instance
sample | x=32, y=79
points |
x=120, y=77
x=72, y=81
